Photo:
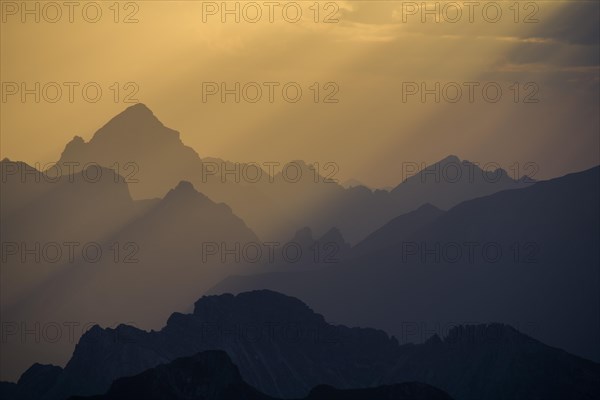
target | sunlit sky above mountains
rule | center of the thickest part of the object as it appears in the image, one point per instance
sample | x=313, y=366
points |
x=370, y=54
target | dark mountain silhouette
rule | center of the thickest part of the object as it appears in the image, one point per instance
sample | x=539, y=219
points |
x=283, y=349
x=37, y=205
x=397, y=230
x=543, y=280
x=39, y=214
x=452, y=181
x=274, y=207
x=401, y=277
x=496, y=361
x=304, y=251
x=176, y=228
x=212, y=376
x=353, y=183
x=33, y=384
x=402, y=391
x=136, y=136
x=154, y=157
x=159, y=240
x=208, y=376
x=8, y=390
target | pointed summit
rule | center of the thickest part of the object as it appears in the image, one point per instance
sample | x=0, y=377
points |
x=332, y=235
x=72, y=150
x=435, y=340
x=184, y=191
x=136, y=120
x=138, y=112
x=139, y=108
x=304, y=236
x=450, y=159
x=141, y=147
x=186, y=185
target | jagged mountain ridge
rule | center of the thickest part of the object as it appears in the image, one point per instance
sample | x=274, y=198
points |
x=282, y=348
x=547, y=234
x=73, y=243
x=274, y=207
x=212, y=376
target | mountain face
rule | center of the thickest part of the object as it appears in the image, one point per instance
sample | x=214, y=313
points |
x=452, y=181
x=208, y=376
x=46, y=221
x=443, y=255
x=33, y=384
x=500, y=258
x=402, y=391
x=212, y=376
x=273, y=203
x=397, y=230
x=38, y=205
x=283, y=349
x=78, y=251
x=303, y=251
x=499, y=361
x=144, y=150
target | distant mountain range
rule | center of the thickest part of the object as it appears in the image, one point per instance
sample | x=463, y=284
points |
x=155, y=208
x=525, y=257
x=274, y=210
x=134, y=251
x=283, y=349
x=212, y=376
x=463, y=266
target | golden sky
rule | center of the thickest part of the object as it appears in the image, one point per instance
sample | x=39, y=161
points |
x=371, y=51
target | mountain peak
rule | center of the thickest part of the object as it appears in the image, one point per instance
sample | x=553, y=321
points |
x=77, y=140
x=183, y=191
x=185, y=186
x=73, y=148
x=262, y=304
x=333, y=235
x=132, y=123
x=303, y=235
x=427, y=207
x=139, y=109
x=450, y=159
x=138, y=113
x=485, y=334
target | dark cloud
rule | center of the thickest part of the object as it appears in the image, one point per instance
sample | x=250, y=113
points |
x=575, y=23
x=570, y=39
x=555, y=53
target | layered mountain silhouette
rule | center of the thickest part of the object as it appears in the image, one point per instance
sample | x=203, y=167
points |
x=274, y=206
x=524, y=257
x=452, y=181
x=33, y=384
x=283, y=349
x=37, y=205
x=161, y=231
x=303, y=251
x=401, y=391
x=137, y=136
x=398, y=229
x=212, y=376
x=208, y=375
x=78, y=248
x=463, y=266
